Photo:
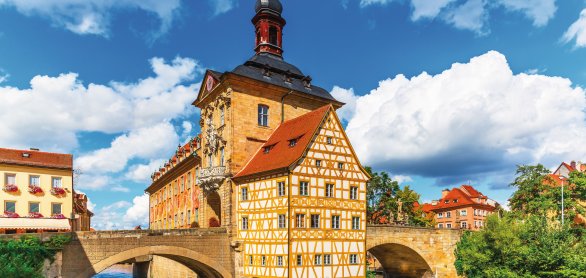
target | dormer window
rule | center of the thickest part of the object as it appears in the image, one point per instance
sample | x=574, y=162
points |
x=455, y=200
x=267, y=149
x=292, y=142
x=446, y=201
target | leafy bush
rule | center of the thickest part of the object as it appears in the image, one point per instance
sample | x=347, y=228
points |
x=24, y=258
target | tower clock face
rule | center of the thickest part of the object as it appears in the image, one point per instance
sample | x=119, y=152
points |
x=209, y=83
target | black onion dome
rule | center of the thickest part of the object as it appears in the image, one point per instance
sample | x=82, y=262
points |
x=273, y=5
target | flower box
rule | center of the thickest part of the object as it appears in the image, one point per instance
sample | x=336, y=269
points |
x=35, y=215
x=11, y=188
x=35, y=189
x=58, y=216
x=57, y=191
x=10, y=214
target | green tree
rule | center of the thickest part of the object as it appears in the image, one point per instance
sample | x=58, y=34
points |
x=24, y=258
x=528, y=247
x=388, y=203
x=533, y=195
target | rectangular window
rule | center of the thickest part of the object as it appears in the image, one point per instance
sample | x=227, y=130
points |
x=463, y=225
x=329, y=190
x=55, y=209
x=354, y=193
x=10, y=206
x=182, y=184
x=244, y=223
x=10, y=179
x=463, y=212
x=355, y=223
x=318, y=163
x=33, y=207
x=304, y=188
x=353, y=259
x=315, y=221
x=250, y=260
x=263, y=115
x=222, y=157
x=292, y=143
x=56, y=182
x=440, y=215
x=244, y=194
x=189, y=217
x=222, y=116
x=210, y=160
x=317, y=260
x=329, y=140
x=281, y=188
x=279, y=260
x=299, y=260
x=440, y=225
x=335, y=222
x=263, y=260
x=197, y=215
x=282, y=221
x=189, y=180
x=182, y=219
x=300, y=220
x=449, y=225
x=448, y=214
x=340, y=165
x=327, y=259
x=35, y=181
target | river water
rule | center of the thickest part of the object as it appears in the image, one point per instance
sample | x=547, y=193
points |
x=116, y=271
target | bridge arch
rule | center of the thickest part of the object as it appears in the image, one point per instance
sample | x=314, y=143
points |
x=203, y=265
x=401, y=261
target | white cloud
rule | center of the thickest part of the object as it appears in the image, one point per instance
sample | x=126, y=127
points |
x=60, y=107
x=428, y=9
x=142, y=173
x=94, y=16
x=540, y=11
x=3, y=77
x=143, y=143
x=474, y=15
x=401, y=179
x=473, y=119
x=577, y=31
x=222, y=6
x=122, y=215
x=346, y=96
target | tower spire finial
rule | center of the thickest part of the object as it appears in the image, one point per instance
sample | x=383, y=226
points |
x=269, y=24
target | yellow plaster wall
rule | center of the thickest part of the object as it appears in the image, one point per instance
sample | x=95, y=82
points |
x=23, y=197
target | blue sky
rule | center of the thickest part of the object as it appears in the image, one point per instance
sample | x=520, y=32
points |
x=439, y=92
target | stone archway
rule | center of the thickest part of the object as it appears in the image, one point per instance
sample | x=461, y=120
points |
x=400, y=261
x=199, y=263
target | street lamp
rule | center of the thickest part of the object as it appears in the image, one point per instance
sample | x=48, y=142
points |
x=562, y=203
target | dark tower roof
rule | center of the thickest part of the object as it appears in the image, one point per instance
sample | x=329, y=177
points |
x=270, y=5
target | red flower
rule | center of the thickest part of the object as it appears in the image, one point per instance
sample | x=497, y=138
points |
x=35, y=189
x=11, y=188
x=57, y=191
x=58, y=216
x=10, y=214
x=35, y=215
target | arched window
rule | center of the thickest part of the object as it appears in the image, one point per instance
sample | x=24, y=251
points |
x=273, y=32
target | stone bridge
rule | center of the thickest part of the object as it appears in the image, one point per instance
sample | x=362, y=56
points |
x=401, y=251
x=413, y=252
x=205, y=251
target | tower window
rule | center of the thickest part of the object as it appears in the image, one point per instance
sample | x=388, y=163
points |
x=273, y=34
x=263, y=115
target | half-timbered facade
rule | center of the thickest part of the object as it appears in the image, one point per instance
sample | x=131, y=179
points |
x=302, y=202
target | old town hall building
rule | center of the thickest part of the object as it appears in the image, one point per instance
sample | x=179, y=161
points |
x=273, y=166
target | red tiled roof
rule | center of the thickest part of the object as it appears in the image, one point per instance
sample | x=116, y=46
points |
x=464, y=196
x=36, y=158
x=280, y=154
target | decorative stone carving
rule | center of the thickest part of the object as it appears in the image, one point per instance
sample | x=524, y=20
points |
x=210, y=179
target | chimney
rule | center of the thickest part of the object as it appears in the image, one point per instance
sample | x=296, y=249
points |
x=573, y=164
x=445, y=193
x=34, y=149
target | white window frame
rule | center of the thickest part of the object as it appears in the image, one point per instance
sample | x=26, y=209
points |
x=282, y=221
x=317, y=260
x=440, y=215
x=330, y=189
x=327, y=259
x=353, y=193
x=263, y=260
x=464, y=212
x=300, y=221
x=59, y=184
x=34, y=177
x=299, y=260
x=279, y=260
x=6, y=206
x=355, y=223
x=245, y=223
x=263, y=115
x=335, y=222
x=244, y=194
x=281, y=188
x=315, y=221
x=464, y=225
x=353, y=259
x=304, y=188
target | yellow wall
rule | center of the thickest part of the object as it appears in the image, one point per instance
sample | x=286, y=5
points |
x=23, y=197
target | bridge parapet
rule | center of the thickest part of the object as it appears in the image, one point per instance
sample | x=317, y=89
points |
x=146, y=233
